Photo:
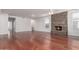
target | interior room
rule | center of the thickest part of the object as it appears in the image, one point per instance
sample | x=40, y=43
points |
x=39, y=29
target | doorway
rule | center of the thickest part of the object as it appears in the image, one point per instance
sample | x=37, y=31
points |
x=11, y=27
x=33, y=25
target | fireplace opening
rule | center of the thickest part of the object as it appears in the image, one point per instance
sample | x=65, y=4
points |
x=58, y=28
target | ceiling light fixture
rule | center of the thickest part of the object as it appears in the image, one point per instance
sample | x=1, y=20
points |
x=50, y=12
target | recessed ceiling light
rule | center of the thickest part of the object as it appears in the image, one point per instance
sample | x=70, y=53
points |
x=43, y=14
x=33, y=15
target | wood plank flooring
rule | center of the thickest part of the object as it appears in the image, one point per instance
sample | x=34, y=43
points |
x=39, y=41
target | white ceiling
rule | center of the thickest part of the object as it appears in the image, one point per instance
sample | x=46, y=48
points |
x=26, y=12
x=32, y=13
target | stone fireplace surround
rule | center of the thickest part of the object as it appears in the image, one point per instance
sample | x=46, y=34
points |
x=59, y=24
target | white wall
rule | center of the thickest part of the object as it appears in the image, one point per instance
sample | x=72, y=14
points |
x=40, y=24
x=3, y=23
x=72, y=26
x=23, y=24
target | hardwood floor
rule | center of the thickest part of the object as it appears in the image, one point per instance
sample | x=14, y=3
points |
x=38, y=41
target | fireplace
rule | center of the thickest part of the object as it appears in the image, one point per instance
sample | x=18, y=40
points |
x=59, y=24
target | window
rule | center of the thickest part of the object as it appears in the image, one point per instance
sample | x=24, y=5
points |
x=78, y=25
x=47, y=23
